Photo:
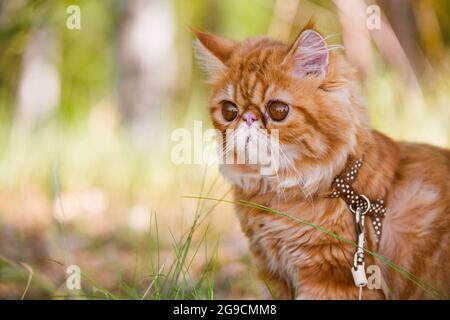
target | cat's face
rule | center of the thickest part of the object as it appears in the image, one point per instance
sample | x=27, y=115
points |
x=263, y=89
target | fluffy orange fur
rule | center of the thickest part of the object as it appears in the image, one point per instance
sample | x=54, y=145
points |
x=327, y=123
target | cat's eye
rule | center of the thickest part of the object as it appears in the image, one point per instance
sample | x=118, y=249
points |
x=229, y=110
x=278, y=110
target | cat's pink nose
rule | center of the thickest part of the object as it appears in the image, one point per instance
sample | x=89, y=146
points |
x=249, y=118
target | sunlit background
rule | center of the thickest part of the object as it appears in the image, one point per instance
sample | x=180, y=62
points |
x=86, y=116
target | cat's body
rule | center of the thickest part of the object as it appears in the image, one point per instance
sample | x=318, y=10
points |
x=312, y=97
x=298, y=261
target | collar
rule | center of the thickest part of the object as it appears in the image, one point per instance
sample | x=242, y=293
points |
x=342, y=188
x=360, y=206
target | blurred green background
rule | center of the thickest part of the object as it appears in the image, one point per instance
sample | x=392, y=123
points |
x=86, y=116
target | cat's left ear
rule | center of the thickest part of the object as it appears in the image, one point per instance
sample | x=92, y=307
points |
x=309, y=54
x=212, y=52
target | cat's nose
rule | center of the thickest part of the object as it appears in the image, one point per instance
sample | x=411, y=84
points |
x=249, y=117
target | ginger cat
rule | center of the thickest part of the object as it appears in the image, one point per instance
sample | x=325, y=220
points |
x=311, y=96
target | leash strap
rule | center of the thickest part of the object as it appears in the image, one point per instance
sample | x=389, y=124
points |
x=360, y=206
x=342, y=188
x=358, y=268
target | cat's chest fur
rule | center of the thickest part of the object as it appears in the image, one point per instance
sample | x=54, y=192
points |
x=291, y=247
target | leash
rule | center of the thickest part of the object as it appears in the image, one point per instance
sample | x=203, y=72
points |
x=358, y=269
x=360, y=206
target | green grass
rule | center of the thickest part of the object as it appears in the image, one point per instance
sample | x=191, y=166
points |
x=168, y=280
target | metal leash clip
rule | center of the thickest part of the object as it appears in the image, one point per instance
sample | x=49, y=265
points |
x=358, y=269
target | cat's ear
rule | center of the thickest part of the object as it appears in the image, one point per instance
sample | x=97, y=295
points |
x=309, y=55
x=212, y=52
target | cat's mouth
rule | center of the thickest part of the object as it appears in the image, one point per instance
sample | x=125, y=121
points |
x=249, y=148
x=252, y=148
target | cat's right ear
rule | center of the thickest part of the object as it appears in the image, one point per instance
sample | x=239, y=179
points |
x=309, y=54
x=212, y=52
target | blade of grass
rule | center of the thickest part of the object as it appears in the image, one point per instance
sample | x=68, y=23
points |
x=187, y=243
x=429, y=289
x=30, y=276
x=21, y=266
x=150, y=249
x=89, y=279
x=152, y=283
